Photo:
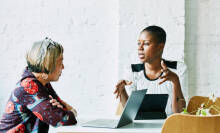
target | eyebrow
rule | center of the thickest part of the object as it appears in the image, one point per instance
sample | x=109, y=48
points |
x=145, y=41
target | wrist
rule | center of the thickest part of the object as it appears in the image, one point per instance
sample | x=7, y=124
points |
x=74, y=112
x=175, y=80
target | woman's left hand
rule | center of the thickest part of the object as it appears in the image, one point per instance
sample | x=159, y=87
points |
x=67, y=106
x=70, y=108
x=54, y=102
x=168, y=75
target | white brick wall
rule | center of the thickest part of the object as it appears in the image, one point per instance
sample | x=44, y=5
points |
x=202, y=46
x=136, y=15
x=92, y=32
x=88, y=32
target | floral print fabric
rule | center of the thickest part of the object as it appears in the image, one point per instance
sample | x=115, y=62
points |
x=29, y=109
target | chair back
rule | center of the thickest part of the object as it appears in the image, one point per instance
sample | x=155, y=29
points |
x=180, y=123
x=196, y=101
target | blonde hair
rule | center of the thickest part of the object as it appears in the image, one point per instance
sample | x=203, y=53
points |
x=41, y=58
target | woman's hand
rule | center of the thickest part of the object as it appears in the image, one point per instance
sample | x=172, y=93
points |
x=67, y=106
x=168, y=75
x=55, y=102
x=70, y=108
x=120, y=87
x=177, y=105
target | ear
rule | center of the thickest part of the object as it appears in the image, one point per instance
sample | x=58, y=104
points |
x=44, y=76
x=161, y=46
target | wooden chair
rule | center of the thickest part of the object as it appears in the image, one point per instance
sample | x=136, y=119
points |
x=180, y=123
x=119, y=109
x=196, y=101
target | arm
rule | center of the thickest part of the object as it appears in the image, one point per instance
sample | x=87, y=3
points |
x=50, y=114
x=178, y=101
x=66, y=105
x=38, y=102
x=123, y=98
x=121, y=92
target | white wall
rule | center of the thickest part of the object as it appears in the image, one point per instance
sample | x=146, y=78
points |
x=136, y=15
x=92, y=32
x=202, y=46
x=88, y=32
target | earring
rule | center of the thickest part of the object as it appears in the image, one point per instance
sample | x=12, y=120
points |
x=44, y=76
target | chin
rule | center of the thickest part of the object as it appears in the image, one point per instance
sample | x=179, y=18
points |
x=54, y=80
x=143, y=60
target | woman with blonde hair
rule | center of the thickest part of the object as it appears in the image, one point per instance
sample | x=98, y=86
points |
x=33, y=104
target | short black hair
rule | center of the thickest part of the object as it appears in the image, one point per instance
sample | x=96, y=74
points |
x=158, y=33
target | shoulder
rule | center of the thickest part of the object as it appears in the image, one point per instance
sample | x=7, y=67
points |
x=26, y=86
x=170, y=64
x=137, y=67
x=29, y=85
x=51, y=91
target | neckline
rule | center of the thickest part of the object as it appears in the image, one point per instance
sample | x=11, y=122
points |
x=145, y=75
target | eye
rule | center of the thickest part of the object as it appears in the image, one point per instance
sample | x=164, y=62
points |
x=146, y=44
x=138, y=43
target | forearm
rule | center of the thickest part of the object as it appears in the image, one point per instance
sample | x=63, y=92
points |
x=123, y=98
x=178, y=101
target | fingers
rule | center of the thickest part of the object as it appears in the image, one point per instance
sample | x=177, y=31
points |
x=120, y=87
x=163, y=80
x=118, y=95
x=128, y=82
x=165, y=71
x=165, y=74
x=50, y=97
x=120, y=83
x=53, y=100
x=74, y=112
x=123, y=83
x=164, y=66
x=164, y=77
x=60, y=106
x=55, y=103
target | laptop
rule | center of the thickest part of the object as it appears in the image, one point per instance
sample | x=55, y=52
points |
x=153, y=107
x=128, y=114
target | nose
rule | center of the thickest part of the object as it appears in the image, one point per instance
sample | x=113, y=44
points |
x=62, y=66
x=141, y=46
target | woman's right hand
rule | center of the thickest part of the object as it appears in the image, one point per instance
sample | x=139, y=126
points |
x=120, y=87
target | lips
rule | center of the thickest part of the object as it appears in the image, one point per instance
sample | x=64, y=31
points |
x=141, y=56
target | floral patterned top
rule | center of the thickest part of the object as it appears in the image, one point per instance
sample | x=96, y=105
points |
x=29, y=109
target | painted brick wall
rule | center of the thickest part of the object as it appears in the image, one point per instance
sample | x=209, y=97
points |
x=88, y=32
x=202, y=46
x=136, y=15
x=92, y=32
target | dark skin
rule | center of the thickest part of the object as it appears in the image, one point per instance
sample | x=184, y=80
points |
x=150, y=53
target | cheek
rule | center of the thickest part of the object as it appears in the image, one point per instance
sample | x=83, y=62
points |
x=148, y=50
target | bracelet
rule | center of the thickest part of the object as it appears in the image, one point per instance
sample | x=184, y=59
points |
x=180, y=99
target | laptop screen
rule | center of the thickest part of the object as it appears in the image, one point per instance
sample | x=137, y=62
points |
x=154, y=103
